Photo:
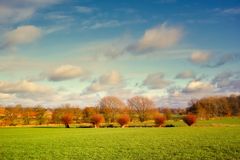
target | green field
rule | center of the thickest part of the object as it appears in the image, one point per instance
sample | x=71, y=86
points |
x=197, y=142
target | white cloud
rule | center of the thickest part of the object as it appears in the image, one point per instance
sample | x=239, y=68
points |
x=227, y=81
x=12, y=63
x=212, y=60
x=219, y=60
x=200, y=57
x=158, y=37
x=57, y=16
x=232, y=11
x=6, y=96
x=39, y=3
x=23, y=87
x=106, y=50
x=26, y=92
x=185, y=75
x=22, y=35
x=156, y=81
x=15, y=11
x=105, y=82
x=65, y=72
x=106, y=24
x=198, y=86
x=111, y=78
x=9, y=14
x=85, y=10
x=96, y=23
x=94, y=87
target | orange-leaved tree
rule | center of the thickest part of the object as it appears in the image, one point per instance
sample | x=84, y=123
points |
x=159, y=120
x=190, y=119
x=123, y=120
x=67, y=119
x=96, y=119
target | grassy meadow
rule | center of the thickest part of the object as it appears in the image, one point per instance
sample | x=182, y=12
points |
x=213, y=139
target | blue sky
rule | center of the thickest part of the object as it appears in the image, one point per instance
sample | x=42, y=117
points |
x=54, y=52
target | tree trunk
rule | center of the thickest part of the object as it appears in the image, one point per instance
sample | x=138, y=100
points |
x=67, y=126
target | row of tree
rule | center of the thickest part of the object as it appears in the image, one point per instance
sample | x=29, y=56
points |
x=111, y=108
x=209, y=107
x=137, y=108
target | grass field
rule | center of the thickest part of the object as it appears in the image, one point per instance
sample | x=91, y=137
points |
x=199, y=142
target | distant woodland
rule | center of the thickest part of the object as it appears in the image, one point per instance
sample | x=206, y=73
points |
x=210, y=107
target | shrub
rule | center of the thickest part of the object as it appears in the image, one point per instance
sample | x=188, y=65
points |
x=169, y=125
x=159, y=120
x=96, y=119
x=123, y=120
x=110, y=125
x=190, y=119
x=67, y=119
x=85, y=125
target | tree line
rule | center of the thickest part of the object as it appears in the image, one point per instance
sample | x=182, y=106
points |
x=111, y=110
x=210, y=107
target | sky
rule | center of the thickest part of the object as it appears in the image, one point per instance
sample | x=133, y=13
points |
x=55, y=52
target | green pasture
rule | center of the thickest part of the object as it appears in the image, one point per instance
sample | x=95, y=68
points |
x=202, y=141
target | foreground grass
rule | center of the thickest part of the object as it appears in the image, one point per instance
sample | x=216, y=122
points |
x=117, y=143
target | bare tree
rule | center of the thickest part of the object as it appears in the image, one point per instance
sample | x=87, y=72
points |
x=26, y=115
x=218, y=106
x=39, y=110
x=88, y=112
x=110, y=106
x=11, y=115
x=142, y=106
